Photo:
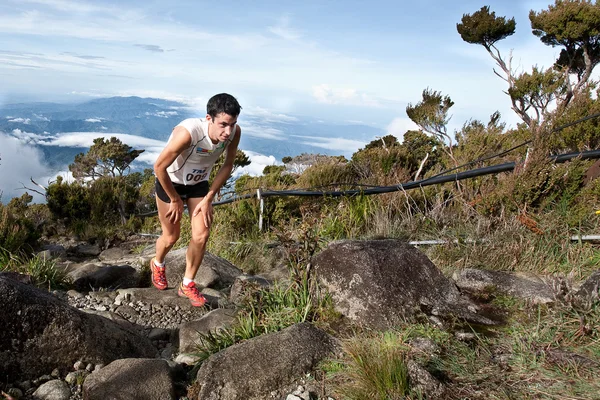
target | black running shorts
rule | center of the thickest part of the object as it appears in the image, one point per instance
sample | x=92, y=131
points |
x=184, y=191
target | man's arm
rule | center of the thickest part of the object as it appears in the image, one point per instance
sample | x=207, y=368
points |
x=181, y=140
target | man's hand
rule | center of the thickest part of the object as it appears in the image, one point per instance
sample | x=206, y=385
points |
x=175, y=211
x=205, y=209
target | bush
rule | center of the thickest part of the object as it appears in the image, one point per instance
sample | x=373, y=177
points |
x=17, y=229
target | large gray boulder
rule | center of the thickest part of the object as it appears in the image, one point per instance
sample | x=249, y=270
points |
x=96, y=275
x=214, y=271
x=140, y=379
x=525, y=287
x=376, y=283
x=41, y=333
x=189, y=332
x=254, y=369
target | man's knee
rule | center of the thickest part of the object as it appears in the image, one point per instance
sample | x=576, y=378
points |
x=200, y=238
x=169, y=240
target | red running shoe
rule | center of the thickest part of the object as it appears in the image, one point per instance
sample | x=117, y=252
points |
x=159, y=278
x=191, y=292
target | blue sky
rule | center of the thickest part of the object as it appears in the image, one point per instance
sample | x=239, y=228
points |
x=340, y=61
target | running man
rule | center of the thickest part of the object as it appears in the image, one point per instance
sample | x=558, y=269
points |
x=182, y=171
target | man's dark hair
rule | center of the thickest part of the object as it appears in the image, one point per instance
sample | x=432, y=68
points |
x=223, y=103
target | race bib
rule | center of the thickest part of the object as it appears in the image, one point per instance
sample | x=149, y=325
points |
x=196, y=175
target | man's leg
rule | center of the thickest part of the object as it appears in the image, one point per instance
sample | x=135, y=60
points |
x=194, y=256
x=170, y=232
x=197, y=247
x=168, y=237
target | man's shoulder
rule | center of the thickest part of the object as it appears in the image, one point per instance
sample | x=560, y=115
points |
x=192, y=122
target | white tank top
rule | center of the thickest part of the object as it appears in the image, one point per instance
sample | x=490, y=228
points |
x=194, y=164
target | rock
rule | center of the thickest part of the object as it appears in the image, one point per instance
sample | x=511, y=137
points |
x=99, y=275
x=76, y=377
x=15, y=393
x=206, y=277
x=51, y=251
x=246, y=285
x=280, y=273
x=226, y=271
x=214, y=298
x=26, y=279
x=465, y=336
x=79, y=365
x=589, y=290
x=75, y=294
x=133, y=378
x=113, y=254
x=53, y=390
x=377, y=282
x=159, y=334
x=190, y=332
x=41, y=332
x=424, y=346
x=253, y=369
x=85, y=249
x=530, y=288
x=160, y=297
x=422, y=381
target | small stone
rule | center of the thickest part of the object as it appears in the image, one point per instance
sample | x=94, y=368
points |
x=55, y=373
x=292, y=397
x=79, y=365
x=75, y=294
x=299, y=390
x=89, y=367
x=42, y=379
x=53, y=390
x=76, y=378
x=465, y=336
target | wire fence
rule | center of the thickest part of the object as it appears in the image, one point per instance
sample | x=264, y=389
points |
x=442, y=177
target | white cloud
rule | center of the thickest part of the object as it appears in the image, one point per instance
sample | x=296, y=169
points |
x=263, y=132
x=86, y=139
x=399, y=126
x=328, y=94
x=267, y=115
x=284, y=30
x=96, y=119
x=18, y=163
x=339, y=144
x=25, y=121
x=27, y=137
x=258, y=162
x=162, y=114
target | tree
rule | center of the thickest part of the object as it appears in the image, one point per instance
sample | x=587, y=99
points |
x=572, y=24
x=431, y=115
x=484, y=28
x=385, y=142
x=104, y=158
x=422, y=149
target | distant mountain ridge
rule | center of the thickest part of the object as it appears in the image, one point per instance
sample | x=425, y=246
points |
x=277, y=135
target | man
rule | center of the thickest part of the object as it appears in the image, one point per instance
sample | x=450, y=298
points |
x=182, y=172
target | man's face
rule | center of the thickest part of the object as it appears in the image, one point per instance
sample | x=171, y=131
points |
x=221, y=127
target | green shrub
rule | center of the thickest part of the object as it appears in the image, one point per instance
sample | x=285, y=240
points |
x=18, y=229
x=373, y=368
x=271, y=310
x=44, y=273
